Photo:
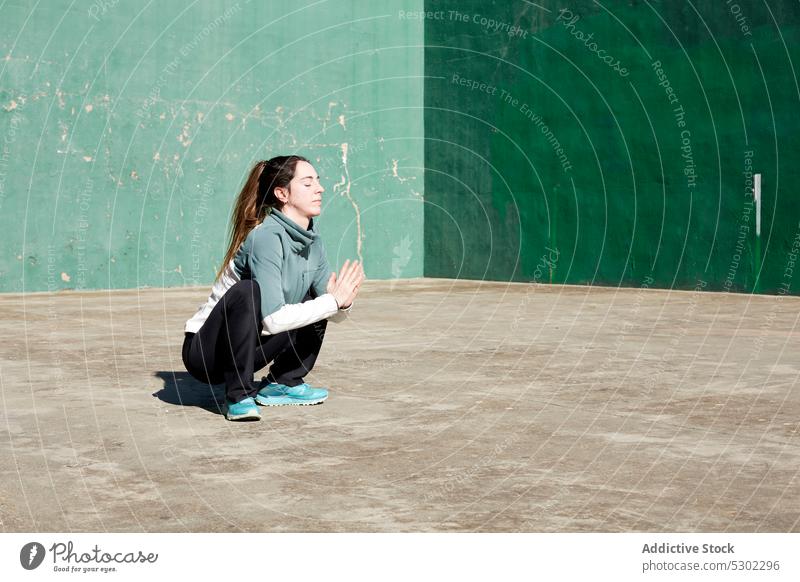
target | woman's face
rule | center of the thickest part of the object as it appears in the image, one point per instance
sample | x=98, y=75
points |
x=305, y=192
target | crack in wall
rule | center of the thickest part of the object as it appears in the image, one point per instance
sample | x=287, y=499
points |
x=345, y=183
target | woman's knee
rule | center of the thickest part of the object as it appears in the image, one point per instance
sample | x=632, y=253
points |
x=246, y=286
x=246, y=290
x=192, y=357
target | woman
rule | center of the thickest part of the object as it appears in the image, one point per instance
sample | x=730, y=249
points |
x=273, y=294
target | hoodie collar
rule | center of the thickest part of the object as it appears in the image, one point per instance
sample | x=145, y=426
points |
x=301, y=238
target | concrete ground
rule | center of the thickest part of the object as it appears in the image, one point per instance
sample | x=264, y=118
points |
x=455, y=406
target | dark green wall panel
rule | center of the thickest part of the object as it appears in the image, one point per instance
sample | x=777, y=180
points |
x=617, y=204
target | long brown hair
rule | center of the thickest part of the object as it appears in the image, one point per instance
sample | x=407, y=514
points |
x=257, y=198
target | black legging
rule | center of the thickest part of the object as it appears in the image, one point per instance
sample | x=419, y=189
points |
x=229, y=346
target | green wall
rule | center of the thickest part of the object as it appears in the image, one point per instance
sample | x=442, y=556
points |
x=128, y=128
x=545, y=162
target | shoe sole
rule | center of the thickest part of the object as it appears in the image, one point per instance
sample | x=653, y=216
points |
x=246, y=416
x=288, y=401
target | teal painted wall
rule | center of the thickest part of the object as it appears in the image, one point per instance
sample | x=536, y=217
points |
x=546, y=162
x=127, y=129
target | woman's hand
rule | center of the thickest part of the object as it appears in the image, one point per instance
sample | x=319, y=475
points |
x=345, y=286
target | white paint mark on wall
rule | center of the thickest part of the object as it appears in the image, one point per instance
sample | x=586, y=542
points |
x=345, y=185
x=396, y=175
x=402, y=256
x=183, y=137
x=340, y=184
x=60, y=95
x=757, y=196
x=394, y=170
x=331, y=105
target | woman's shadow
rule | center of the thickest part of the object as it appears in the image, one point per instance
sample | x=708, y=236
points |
x=183, y=390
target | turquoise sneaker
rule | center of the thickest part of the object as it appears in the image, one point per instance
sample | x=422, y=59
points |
x=243, y=410
x=281, y=395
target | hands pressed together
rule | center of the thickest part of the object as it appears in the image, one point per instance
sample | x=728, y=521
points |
x=345, y=286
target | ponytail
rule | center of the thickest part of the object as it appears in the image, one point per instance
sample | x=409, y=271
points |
x=257, y=198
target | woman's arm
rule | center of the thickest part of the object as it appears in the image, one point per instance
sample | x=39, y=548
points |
x=300, y=314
